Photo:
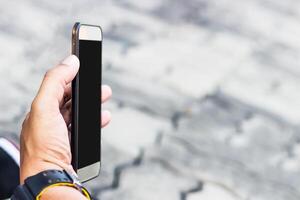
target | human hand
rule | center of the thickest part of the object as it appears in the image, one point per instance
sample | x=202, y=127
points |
x=45, y=131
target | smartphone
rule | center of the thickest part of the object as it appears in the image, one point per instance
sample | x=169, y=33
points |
x=86, y=101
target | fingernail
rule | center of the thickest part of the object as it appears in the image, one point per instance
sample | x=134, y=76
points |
x=107, y=88
x=105, y=118
x=71, y=60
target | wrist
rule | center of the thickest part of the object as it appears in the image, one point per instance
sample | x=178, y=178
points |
x=34, y=167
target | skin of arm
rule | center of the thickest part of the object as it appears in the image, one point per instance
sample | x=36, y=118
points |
x=62, y=193
x=45, y=131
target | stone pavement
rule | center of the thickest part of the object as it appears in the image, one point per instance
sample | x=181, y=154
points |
x=206, y=93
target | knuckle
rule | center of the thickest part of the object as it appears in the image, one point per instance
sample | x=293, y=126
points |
x=25, y=120
x=36, y=105
x=50, y=73
x=56, y=75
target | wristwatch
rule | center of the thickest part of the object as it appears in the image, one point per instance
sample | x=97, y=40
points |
x=36, y=185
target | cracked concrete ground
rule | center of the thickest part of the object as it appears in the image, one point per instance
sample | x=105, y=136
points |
x=206, y=93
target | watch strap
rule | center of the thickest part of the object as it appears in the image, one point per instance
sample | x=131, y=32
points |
x=36, y=185
x=21, y=193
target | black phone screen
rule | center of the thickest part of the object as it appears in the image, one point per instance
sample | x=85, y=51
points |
x=89, y=103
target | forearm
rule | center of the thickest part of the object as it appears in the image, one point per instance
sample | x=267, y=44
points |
x=62, y=193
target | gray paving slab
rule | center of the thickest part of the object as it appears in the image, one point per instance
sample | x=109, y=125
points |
x=212, y=192
x=269, y=87
x=150, y=180
x=253, y=155
x=143, y=133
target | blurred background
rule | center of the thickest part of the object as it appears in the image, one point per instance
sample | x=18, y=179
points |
x=206, y=93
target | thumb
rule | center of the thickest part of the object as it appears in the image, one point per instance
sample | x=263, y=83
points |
x=55, y=82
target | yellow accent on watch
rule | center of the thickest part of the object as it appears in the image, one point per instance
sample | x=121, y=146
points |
x=83, y=190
